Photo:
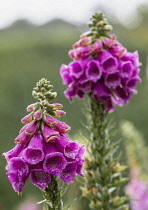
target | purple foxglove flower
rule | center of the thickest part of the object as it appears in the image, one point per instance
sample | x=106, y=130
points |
x=69, y=172
x=80, y=94
x=113, y=80
x=62, y=127
x=100, y=92
x=118, y=51
x=22, y=138
x=85, y=87
x=40, y=178
x=108, y=62
x=17, y=181
x=65, y=74
x=123, y=93
x=62, y=142
x=83, y=62
x=93, y=71
x=82, y=52
x=50, y=135
x=71, y=92
x=133, y=57
x=37, y=115
x=14, y=152
x=137, y=191
x=131, y=84
x=64, y=69
x=75, y=69
x=55, y=161
x=117, y=100
x=80, y=152
x=126, y=69
x=83, y=79
x=59, y=113
x=49, y=120
x=33, y=154
x=31, y=128
x=79, y=167
x=18, y=165
x=27, y=119
x=71, y=149
x=136, y=72
x=23, y=128
x=97, y=47
x=109, y=107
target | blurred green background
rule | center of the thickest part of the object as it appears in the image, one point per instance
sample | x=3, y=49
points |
x=29, y=53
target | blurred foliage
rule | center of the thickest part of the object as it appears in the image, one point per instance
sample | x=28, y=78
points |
x=137, y=152
x=28, y=53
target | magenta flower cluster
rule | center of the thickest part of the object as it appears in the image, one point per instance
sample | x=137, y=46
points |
x=43, y=149
x=103, y=68
x=137, y=191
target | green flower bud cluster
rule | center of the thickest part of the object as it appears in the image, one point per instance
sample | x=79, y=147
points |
x=43, y=93
x=43, y=90
x=99, y=26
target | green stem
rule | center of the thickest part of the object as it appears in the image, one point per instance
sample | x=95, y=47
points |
x=103, y=172
x=52, y=194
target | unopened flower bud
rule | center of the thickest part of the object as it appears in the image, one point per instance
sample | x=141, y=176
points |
x=113, y=36
x=50, y=135
x=97, y=47
x=32, y=107
x=108, y=27
x=87, y=33
x=49, y=120
x=94, y=190
x=96, y=205
x=40, y=95
x=23, y=128
x=59, y=113
x=27, y=119
x=56, y=106
x=85, y=41
x=43, y=89
x=118, y=201
x=62, y=127
x=22, y=138
x=45, y=103
x=109, y=42
x=50, y=96
x=100, y=23
x=71, y=53
x=37, y=115
x=32, y=128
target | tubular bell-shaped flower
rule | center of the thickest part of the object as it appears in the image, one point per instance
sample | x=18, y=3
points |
x=33, y=154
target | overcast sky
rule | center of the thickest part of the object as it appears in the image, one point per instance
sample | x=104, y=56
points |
x=41, y=11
